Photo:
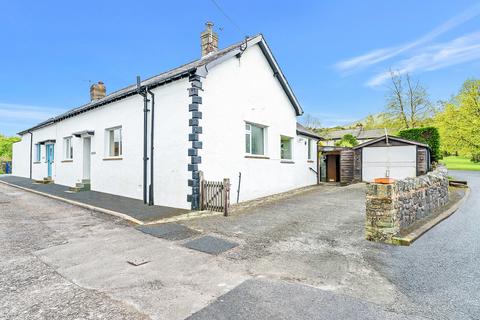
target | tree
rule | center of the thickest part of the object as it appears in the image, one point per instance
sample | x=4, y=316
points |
x=459, y=122
x=407, y=102
x=347, y=140
x=6, y=147
x=311, y=122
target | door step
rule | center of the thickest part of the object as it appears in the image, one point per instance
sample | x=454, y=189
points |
x=46, y=180
x=81, y=186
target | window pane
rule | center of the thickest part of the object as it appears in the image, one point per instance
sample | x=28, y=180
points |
x=115, y=142
x=247, y=143
x=257, y=140
x=285, y=148
x=111, y=143
x=309, y=149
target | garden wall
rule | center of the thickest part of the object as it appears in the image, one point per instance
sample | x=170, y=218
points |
x=391, y=208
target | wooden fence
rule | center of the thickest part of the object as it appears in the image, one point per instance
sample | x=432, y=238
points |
x=215, y=195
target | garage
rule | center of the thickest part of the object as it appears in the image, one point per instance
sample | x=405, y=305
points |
x=392, y=157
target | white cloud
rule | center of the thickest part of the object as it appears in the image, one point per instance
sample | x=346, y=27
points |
x=383, y=54
x=456, y=51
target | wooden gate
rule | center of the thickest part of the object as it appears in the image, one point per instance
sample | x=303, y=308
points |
x=215, y=195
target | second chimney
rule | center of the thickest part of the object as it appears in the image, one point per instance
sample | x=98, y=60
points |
x=209, y=39
x=97, y=91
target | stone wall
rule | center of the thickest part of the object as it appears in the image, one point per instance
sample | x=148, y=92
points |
x=391, y=208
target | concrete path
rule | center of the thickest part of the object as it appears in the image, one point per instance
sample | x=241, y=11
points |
x=131, y=207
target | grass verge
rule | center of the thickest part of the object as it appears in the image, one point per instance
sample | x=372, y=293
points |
x=460, y=163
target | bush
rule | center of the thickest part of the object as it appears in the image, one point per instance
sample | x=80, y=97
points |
x=348, y=140
x=427, y=135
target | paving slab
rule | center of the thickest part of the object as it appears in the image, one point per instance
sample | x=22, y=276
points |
x=169, y=231
x=211, y=245
x=131, y=207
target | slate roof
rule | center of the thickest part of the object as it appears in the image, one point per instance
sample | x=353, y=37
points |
x=307, y=132
x=357, y=132
x=365, y=144
x=181, y=72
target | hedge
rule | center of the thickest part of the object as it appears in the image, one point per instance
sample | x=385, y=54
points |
x=427, y=135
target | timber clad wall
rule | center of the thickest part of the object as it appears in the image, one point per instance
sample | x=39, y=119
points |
x=346, y=166
x=357, y=166
x=422, y=161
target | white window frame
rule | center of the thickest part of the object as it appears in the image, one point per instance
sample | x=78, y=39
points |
x=38, y=152
x=108, y=147
x=282, y=137
x=248, y=130
x=68, y=148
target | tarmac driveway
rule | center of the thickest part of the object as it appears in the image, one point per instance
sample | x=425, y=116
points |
x=316, y=238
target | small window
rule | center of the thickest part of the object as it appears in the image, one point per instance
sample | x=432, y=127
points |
x=68, y=148
x=285, y=148
x=311, y=149
x=38, y=152
x=254, y=139
x=114, y=141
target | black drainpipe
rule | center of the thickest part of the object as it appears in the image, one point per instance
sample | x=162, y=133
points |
x=143, y=92
x=31, y=152
x=152, y=107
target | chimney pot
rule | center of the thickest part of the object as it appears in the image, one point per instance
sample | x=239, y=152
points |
x=209, y=39
x=97, y=91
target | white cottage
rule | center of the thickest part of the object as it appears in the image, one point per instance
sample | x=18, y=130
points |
x=230, y=112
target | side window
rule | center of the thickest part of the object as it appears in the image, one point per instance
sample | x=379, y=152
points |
x=254, y=139
x=114, y=142
x=38, y=152
x=67, y=148
x=311, y=149
x=285, y=148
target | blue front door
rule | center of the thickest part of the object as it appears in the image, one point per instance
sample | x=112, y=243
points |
x=49, y=152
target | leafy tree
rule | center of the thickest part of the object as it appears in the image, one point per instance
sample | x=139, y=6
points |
x=347, y=140
x=408, y=103
x=459, y=122
x=6, y=147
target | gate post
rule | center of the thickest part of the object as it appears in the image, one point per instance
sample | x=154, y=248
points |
x=226, y=195
x=202, y=189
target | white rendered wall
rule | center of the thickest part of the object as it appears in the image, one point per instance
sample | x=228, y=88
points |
x=123, y=176
x=21, y=157
x=243, y=90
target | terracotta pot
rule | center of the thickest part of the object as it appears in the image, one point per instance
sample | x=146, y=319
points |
x=384, y=180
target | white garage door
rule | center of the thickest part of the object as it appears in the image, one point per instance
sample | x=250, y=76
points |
x=397, y=162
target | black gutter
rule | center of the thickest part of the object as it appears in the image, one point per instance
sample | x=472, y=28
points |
x=152, y=126
x=143, y=92
x=31, y=153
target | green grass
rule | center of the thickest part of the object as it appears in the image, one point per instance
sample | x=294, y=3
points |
x=460, y=163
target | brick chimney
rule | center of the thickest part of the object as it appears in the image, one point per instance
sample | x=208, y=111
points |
x=209, y=39
x=97, y=91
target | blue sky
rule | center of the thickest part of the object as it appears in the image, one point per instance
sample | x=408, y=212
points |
x=334, y=53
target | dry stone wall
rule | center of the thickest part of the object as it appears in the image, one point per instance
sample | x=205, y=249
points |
x=391, y=208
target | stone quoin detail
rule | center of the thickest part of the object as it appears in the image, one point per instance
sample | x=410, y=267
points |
x=194, y=138
x=391, y=208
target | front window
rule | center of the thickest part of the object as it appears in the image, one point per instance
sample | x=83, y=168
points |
x=114, y=140
x=68, y=148
x=285, y=148
x=38, y=152
x=254, y=139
